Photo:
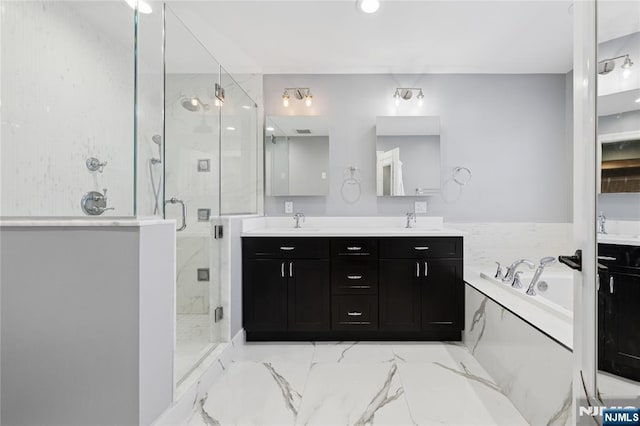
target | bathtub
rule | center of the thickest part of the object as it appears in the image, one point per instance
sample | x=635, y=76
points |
x=524, y=342
x=550, y=311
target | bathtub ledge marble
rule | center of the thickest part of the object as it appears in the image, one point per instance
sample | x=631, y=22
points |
x=82, y=222
x=558, y=326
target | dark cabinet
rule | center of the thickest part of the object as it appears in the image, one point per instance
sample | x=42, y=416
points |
x=265, y=295
x=400, y=281
x=618, y=311
x=309, y=295
x=353, y=288
x=442, y=295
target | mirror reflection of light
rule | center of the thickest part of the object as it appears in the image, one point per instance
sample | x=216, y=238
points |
x=270, y=129
x=231, y=128
x=637, y=101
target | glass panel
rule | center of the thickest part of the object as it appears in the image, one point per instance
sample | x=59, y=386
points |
x=618, y=110
x=238, y=144
x=192, y=132
x=67, y=97
x=149, y=111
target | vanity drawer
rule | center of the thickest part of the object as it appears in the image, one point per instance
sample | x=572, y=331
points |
x=285, y=248
x=354, y=313
x=421, y=248
x=357, y=275
x=354, y=247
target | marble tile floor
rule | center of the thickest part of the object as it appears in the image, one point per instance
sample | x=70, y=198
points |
x=354, y=383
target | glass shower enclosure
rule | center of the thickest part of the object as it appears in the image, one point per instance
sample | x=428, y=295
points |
x=210, y=170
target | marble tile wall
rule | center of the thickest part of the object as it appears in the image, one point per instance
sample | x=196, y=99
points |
x=68, y=94
x=531, y=369
x=486, y=243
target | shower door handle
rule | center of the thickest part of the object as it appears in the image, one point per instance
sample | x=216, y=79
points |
x=174, y=200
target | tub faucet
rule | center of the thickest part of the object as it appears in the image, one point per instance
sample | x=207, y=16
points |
x=511, y=270
x=297, y=218
x=411, y=217
x=544, y=262
x=602, y=222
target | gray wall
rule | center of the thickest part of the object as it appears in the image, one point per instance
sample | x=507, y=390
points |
x=508, y=129
x=308, y=159
x=620, y=206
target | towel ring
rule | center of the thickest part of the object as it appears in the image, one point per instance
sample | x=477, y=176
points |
x=461, y=175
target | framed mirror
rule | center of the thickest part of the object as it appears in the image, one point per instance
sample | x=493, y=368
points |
x=296, y=155
x=407, y=156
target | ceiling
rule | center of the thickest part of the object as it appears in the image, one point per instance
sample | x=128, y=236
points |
x=307, y=36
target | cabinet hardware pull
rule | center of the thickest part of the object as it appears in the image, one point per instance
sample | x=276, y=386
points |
x=354, y=314
x=421, y=248
x=426, y=268
x=417, y=269
x=282, y=269
x=287, y=248
x=354, y=248
x=359, y=286
x=355, y=322
x=611, y=285
x=290, y=269
x=354, y=277
x=441, y=322
x=607, y=258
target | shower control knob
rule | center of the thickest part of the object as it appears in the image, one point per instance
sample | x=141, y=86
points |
x=95, y=165
x=94, y=203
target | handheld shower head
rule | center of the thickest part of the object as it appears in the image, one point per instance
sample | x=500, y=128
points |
x=546, y=261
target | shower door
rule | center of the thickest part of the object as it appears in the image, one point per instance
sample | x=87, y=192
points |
x=192, y=190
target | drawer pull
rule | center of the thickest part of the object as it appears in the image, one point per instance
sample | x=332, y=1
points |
x=354, y=248
x=355, y=322
x=611, y=284
x=426, y=268
x=282, y=269
x=607, y=258
x=359, y=286
x=421, y=248
x=354, y=277
x=291, y=269
x=417, y=269
x=441, y=322
x=354, y=314
x=285, y=248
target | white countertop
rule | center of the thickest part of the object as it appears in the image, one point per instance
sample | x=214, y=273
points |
x=82, y=222
x=622, y=239
x=346, y=226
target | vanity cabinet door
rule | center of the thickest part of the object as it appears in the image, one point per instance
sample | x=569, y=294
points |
x=623, y=343
x=399, y=294
x=309, y=295
x=265, y=295
x=442, y=295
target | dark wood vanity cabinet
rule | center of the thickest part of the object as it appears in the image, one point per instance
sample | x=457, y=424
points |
x=353, y=288
x=619, y=311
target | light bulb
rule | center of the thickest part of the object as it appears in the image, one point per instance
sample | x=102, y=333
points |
x=285, y=99
x=626, y=73
x=308, y=99
x=420, y=98
x=637, y=101
x=397, y=97
x=368, y=6
x=194, y=101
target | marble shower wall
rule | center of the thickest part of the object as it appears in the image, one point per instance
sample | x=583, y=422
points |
x=533, y=371
x=68, y=94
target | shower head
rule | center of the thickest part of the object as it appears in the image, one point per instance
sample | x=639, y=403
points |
x=194, y=104
x=157, y=139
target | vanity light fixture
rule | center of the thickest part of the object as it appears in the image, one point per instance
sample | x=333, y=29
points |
x=299, y=93
x=605, y=66
x=406, y=93
x=368, y=6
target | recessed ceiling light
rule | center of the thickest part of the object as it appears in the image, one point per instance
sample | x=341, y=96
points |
x=143, y=6
x=368, y=6
x=270, y=129
x=231, y=128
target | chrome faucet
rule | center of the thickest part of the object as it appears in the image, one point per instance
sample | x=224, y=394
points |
x=509, y=277
x=544, y=262
x=411, y=217
x=94, y=203
x=297, y=218
x=602, y=222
